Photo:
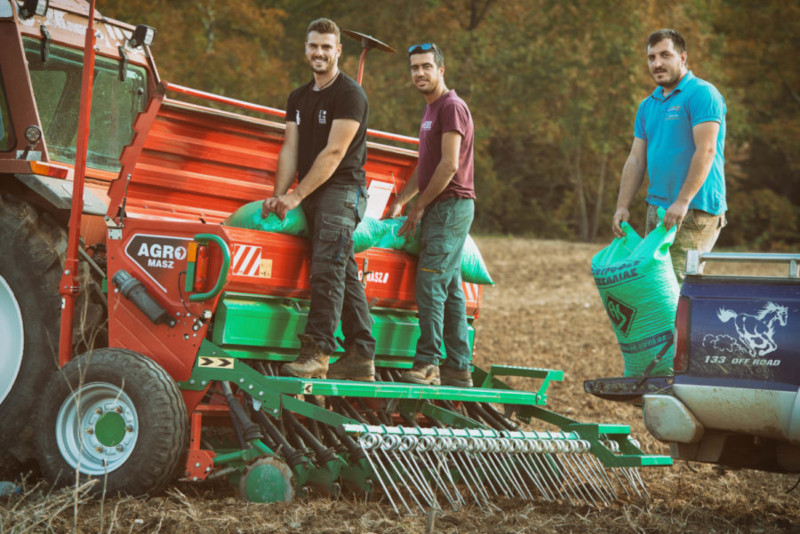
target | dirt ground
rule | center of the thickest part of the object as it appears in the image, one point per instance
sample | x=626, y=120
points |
x=543, y=312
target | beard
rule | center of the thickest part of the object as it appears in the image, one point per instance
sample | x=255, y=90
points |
x=670, y=80
x=321, y=68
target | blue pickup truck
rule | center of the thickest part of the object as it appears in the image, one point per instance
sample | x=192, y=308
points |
x=734, y=398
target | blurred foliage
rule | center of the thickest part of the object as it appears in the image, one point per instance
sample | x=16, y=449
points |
x=553, y=86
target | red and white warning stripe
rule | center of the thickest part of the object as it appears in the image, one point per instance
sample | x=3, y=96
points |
x=471, y=291
x=246, y=260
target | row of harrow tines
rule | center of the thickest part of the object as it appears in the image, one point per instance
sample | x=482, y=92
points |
x=422, y=447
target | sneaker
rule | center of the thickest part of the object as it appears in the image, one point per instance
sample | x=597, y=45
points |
x=422, y=373
x=310, y=363
x=453, y=377
x=353, y=365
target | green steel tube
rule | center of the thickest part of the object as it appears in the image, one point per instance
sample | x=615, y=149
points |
x=223, y=272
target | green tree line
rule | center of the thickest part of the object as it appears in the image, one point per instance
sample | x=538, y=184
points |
x=553, y=86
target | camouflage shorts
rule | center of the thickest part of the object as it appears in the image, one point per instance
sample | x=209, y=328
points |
x=699, y=231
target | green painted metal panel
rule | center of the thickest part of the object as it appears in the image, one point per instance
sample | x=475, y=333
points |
x=246, y=322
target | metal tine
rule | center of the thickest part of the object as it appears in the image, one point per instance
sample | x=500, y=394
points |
x=370, y=443
x=569, y=482
x=406, y=446
x=636, y=477
x=623, y=483
x=545, y=461
x=630, y=482
x=634, y=482
x=424, y=447
x=438, y=453
x=459, y=446
x=468, y=454
x=635, y=471
x=495, y=468
x=598, y=467
x=598, y=472
x=517, y=448
x=584, y=480
x=391, y=442
x=445, y=460
x=582, y=485
x=524, y=448
x=512, y=457
x=575, y=458
x=503, y=446
x=534, y=448
x=480, y=448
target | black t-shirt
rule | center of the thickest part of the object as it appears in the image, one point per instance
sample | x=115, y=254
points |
x=315, y=111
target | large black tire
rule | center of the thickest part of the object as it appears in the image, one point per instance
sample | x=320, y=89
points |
x=34, y=247
x=114, y=415
x=30, y=311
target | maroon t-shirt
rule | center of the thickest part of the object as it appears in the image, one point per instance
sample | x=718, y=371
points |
x=447, y=114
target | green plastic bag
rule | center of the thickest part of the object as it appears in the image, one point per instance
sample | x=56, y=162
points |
x=368, y=233
x=249, y=216
x=640, y=293
x=393, y=240
x=473, y=269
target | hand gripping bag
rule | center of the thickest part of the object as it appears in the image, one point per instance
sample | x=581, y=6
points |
x=249, y=216
x=640, y=293
x=473, y=268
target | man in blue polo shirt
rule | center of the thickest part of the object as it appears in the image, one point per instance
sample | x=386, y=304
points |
x=679, y=139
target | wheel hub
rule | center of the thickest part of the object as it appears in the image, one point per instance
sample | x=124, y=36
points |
x=97, y=428
x=12, y=333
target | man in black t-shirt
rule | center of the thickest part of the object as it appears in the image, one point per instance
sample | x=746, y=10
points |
x=325, y=147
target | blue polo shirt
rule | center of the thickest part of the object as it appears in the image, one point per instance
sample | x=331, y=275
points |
x=665, y=124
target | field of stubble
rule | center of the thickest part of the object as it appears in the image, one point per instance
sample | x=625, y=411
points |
x=544, y=311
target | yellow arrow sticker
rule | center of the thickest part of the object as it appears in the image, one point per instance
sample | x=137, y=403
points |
x=220, y=363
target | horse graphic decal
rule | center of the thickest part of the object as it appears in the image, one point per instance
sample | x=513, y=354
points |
x=756, y=331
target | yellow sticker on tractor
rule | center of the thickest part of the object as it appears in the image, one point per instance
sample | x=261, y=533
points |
x=219, y=363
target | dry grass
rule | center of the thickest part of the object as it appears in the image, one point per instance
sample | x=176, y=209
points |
x=543, y=312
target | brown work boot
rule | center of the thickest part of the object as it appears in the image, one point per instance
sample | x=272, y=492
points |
x=422, y=373
x=311, y=363
x=453, y=377
x=353, y=365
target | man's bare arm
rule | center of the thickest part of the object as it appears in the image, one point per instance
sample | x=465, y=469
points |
x=631, y=181
x=287, y=167
x=705, y=142
x=408, y=192
x=444, y=172
x=342, y=133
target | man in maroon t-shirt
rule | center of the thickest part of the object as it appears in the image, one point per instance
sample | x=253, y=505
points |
x=445, y=206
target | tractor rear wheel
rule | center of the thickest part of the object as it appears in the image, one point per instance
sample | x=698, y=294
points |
x=30, y=310
x=34, y=247
x=112, y=415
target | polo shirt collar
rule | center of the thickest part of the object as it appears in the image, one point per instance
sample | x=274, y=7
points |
x=658, y=91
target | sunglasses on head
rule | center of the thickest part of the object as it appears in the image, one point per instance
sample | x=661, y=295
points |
x=424, y=47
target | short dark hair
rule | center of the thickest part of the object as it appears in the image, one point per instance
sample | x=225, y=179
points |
x=667, y=33
x=438, y=57
x=324, y=26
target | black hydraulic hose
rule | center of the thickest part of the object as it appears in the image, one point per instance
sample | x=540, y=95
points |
x=370, y=414
x=323, y=454
x=508, y=423
x=249, y=430
x=350, y=411
x=409, y=420
x=489, y=418
x=474, y=413
x=293, y=456
x=291, y=433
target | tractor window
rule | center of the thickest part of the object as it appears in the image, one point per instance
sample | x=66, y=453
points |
x=6, y=132
x=115, y=103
